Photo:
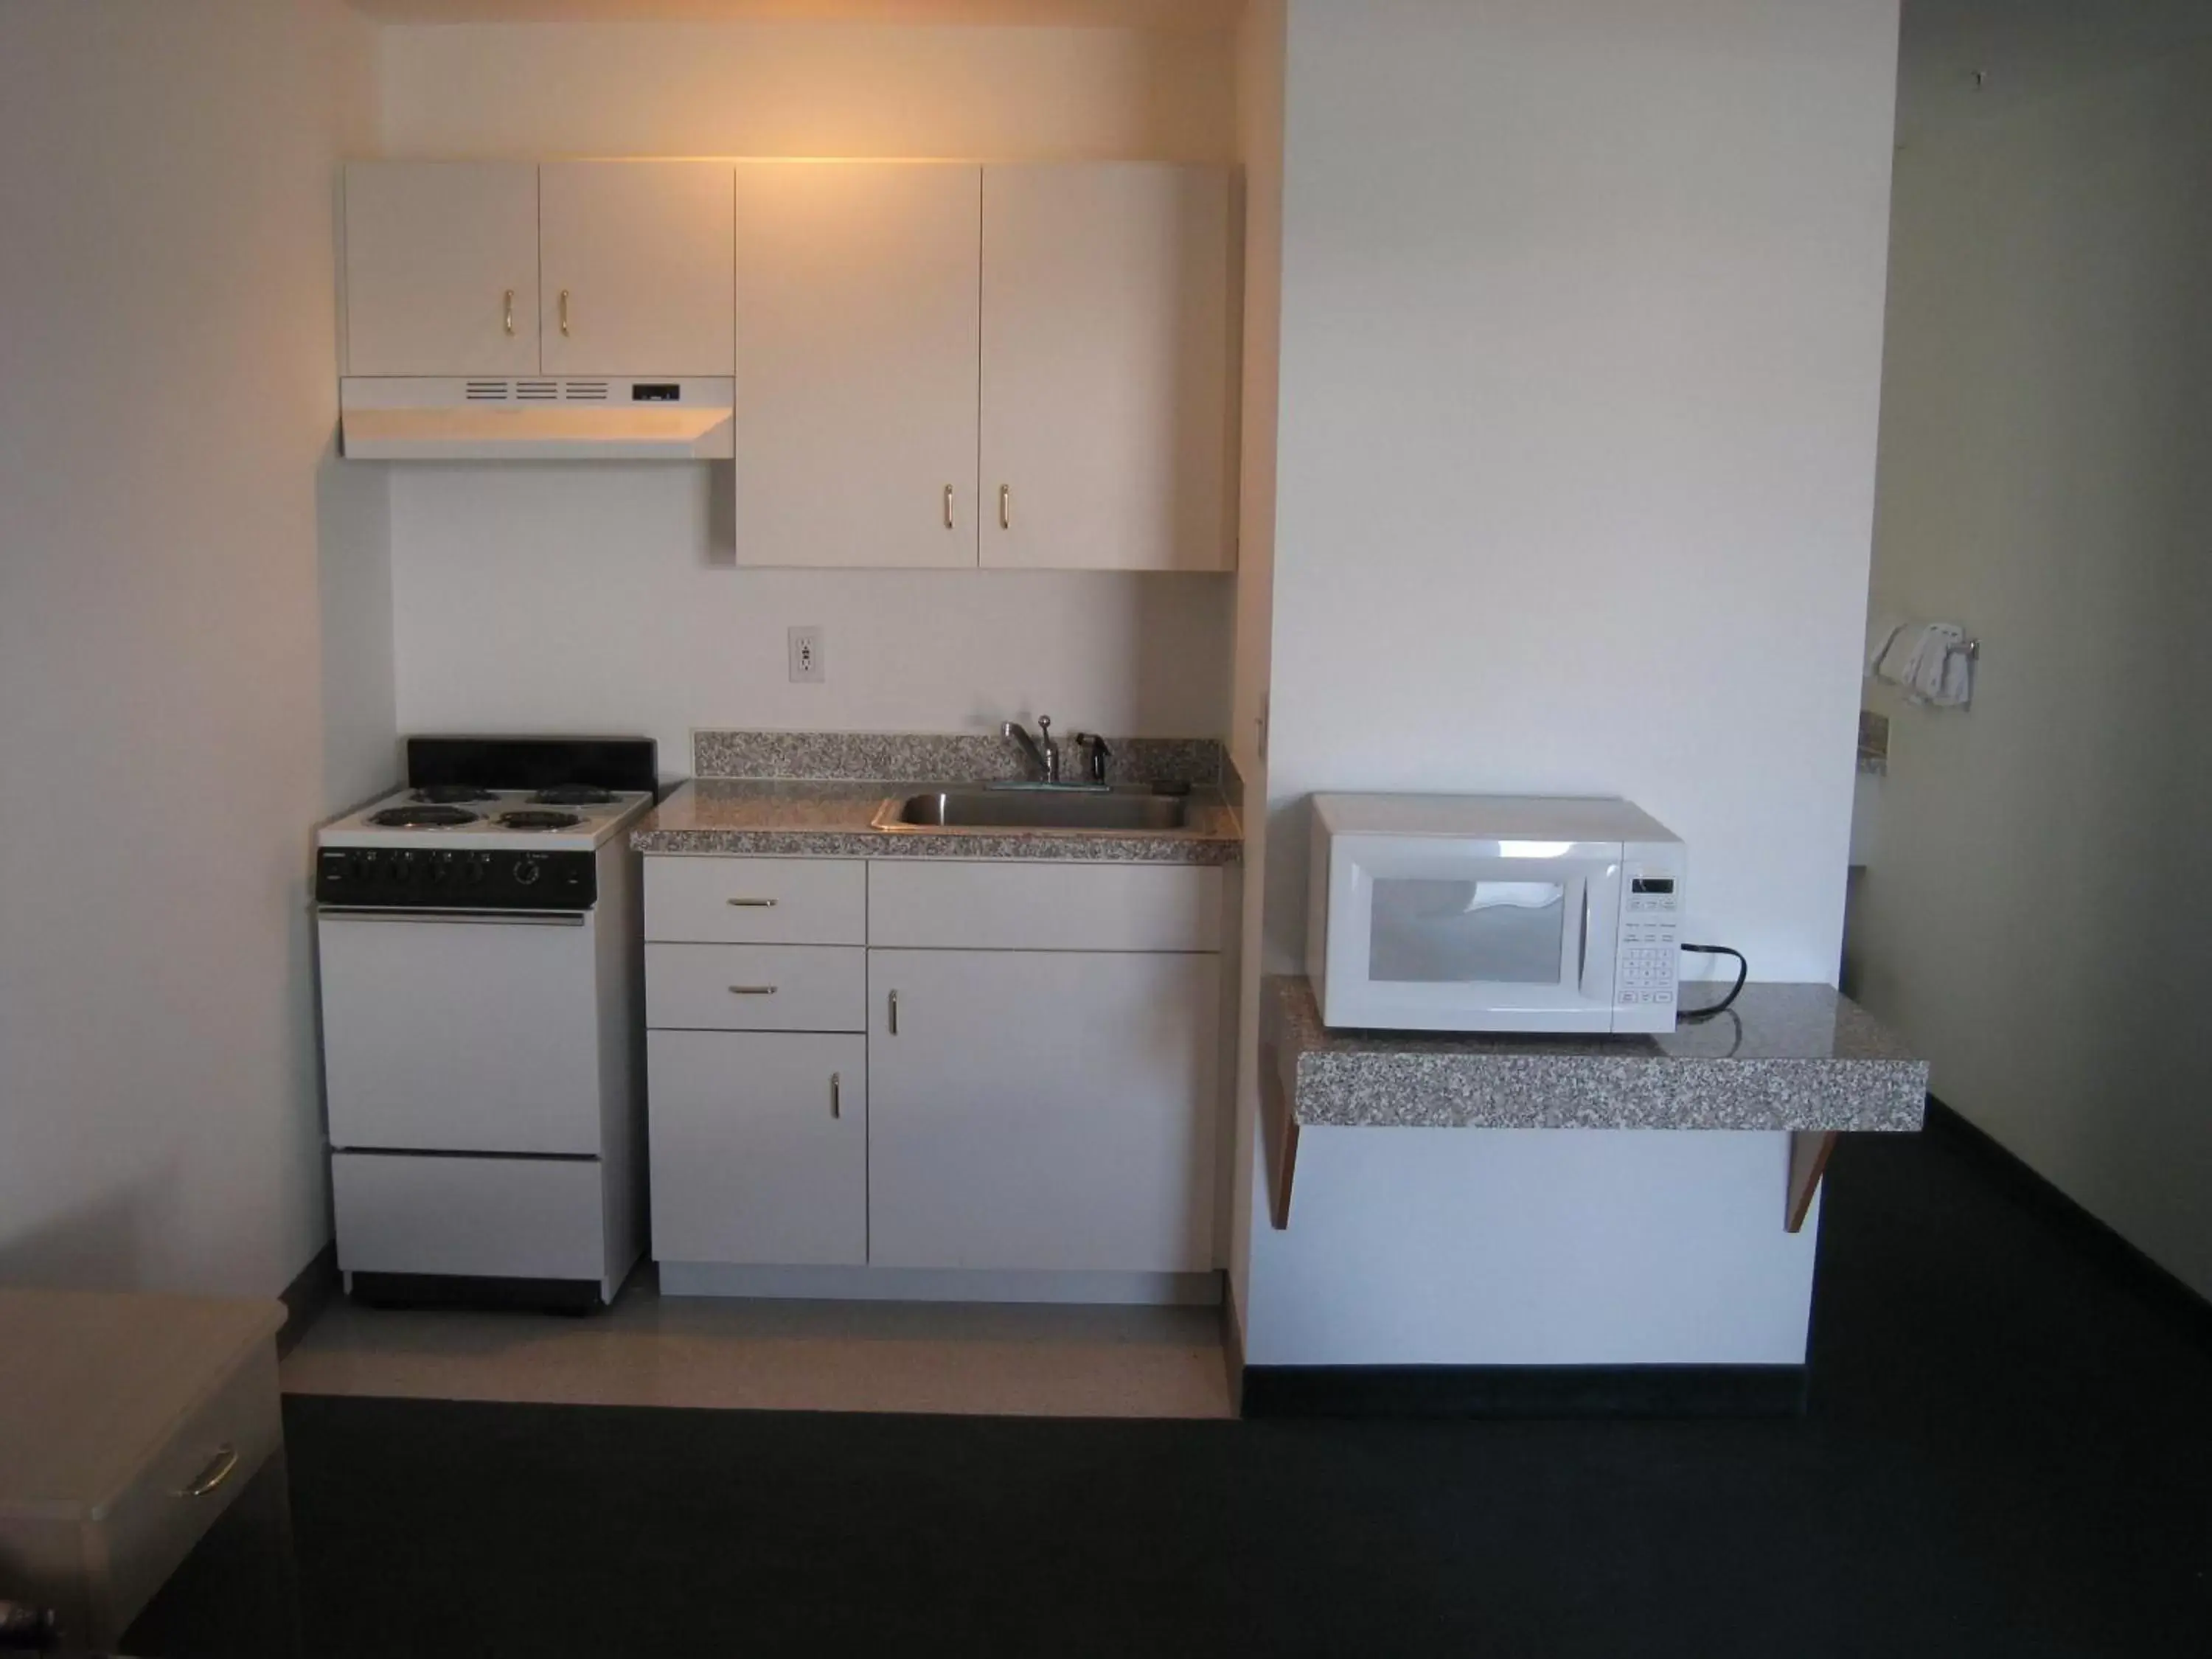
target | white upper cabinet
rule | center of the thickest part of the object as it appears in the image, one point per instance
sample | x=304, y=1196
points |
x=441, y=268
x=635, y=268
x=858, y=347
x=1108, y=435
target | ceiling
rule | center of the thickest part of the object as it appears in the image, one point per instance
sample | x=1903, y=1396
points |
x=1179, y=17
x=2025, y=50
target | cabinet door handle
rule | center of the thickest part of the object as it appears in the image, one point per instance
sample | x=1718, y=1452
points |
x=564, y=311
x=752, y=990
x=1005, y=507
x=948, y=507
x=751, y=904
x=895, y=1013
x=506, y=311
x=836, y=1095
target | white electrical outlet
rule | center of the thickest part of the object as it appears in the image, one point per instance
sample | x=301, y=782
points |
x=808, y=665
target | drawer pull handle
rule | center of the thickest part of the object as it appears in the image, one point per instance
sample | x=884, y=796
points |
x=751, y=904
x=836, y=1095
x=895, y=1013
x=220, y=1469
x=752, y=990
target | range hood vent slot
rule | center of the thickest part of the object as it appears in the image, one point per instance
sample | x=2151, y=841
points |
x=403, y=418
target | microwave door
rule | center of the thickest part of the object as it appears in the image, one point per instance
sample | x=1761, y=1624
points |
x=1443, y=938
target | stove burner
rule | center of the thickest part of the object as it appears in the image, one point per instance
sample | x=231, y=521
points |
x=539, y=820
x=445, y=794
x=573, y=794
x=420, y=818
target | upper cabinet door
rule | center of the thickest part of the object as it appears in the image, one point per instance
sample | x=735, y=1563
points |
x=1108, y=441
x=857, y=362
x=441, y=268
x=635, y=267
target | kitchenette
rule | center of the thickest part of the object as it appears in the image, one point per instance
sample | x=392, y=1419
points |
x=853, y=975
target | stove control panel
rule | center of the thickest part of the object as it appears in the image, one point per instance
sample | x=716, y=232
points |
x=429, y=878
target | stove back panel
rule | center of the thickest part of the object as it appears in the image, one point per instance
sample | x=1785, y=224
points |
x=515, y=762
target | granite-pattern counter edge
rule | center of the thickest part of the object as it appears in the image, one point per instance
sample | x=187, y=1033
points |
x=1787, y=1057
x=768, y=819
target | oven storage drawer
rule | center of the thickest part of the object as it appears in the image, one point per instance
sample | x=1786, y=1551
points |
x=492, y=1218
x=755, y=988
x=725, y=901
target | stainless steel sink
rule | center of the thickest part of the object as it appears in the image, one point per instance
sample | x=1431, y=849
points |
x=1035, y=808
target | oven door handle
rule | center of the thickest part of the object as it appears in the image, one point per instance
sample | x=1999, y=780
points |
x=464, y=918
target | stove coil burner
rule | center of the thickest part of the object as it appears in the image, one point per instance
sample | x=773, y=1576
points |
x=539, y=820
x=420, y=818
x=445, y=794
x=573, y=794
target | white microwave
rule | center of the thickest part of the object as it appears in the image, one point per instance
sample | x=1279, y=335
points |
x=1493, y=913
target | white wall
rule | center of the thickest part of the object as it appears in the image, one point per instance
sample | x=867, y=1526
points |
x=1581, y=343
x=606, y=599
x=805, y=89
x=1261, y=45
x=179, y=703
x=602, y=598
x=2036, y=916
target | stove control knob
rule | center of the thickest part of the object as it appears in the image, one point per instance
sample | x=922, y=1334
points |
x=528, y=870
x=442, y=868
x=479, y=865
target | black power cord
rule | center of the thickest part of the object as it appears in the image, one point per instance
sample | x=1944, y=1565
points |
x=1743, y=973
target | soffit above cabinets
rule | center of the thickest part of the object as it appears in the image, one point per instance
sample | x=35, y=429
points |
x=1173, y=17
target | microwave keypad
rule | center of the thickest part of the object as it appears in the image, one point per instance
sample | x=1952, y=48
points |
x=1647, y=961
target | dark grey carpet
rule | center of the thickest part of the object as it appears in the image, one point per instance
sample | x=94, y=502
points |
x=2006, y=1454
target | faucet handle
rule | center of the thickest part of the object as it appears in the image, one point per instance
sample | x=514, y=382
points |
x=1044, y=728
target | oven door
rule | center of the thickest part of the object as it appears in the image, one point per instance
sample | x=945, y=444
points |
x=1471, y=935
x=461, y=1031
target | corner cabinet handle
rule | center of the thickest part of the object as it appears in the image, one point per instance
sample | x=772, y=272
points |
x=752, y=990
x=751, y=904
x=506, y=311
x=564, y=311
x=1005, y=507
x=219, y=1469
x=948, y=507
x=895, y=1013
x=836, y=1095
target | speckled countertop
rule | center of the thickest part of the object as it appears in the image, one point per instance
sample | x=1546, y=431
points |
x=814, y=795
x=766, y=818
x=1785, y=1057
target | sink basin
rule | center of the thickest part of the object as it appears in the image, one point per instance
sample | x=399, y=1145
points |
x=1034, y=808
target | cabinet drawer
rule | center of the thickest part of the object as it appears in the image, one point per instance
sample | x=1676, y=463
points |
x=182, y=1492
x=1044, y=907
x=715, y=901
x=755, y=988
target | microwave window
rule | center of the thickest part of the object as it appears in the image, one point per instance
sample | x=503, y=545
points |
x=1450, y=932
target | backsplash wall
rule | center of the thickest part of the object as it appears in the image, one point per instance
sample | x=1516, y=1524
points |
x=602, y=598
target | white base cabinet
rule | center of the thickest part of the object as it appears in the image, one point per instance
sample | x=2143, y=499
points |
x=760, y=1147
x=1042, y=1110
x=1025, y=1090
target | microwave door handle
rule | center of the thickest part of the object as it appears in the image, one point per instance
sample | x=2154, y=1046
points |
x=1582, y=949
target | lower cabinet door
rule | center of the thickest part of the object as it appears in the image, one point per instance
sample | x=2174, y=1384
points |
x=760, y=1147
x=1051, y=1110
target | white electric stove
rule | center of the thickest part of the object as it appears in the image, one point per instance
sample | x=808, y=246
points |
x=479, y=940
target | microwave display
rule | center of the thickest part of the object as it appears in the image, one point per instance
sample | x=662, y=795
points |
x=1646, y=884
x=1426, y=931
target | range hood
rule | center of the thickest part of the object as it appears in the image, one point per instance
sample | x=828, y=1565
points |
x=421, y=418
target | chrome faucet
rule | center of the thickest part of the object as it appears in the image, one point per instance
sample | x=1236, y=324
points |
x=1041, y=749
